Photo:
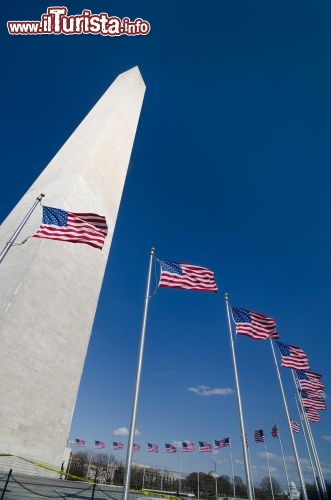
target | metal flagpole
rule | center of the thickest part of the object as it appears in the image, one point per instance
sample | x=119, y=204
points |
x=180, y=472
x=162, y=478
x=318, y=464
x=250, y=468
x=198, y=466
x=283, y=457
x=144, y=470
x=266, y=455
x=302, y=482
x=215, y=473
x=10, y=243
x=241, y=418
x=233, y=483
x=137, y=384
x=313, y=466
x=311, y=439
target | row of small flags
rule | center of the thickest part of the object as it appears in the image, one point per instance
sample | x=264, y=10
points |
x=188, y=446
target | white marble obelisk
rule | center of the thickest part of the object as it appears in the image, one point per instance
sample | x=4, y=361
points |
x=49, y=289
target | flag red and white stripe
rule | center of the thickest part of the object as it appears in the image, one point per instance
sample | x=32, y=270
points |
x=259, y=436
x=186, y=276
x=294, y=426
x=315, y=403
x=254, y=325
x=152, y=448
x=205, y=447
x=293, y=357
x=60, y=225
x=187, y=446
x=312, y=415
x=117, y=446
x=275, y=431
x=80, y=442
x=309, y=381
x=170, y=448
x=222, y=443
x=98, y=445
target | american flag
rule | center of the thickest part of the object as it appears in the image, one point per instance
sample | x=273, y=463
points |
x=246, y=439
x=189, y=277
x=117, y=446
x=275, y=431
x=315, y=404
x=222, y=443
x=259, y=436
x=187, y=446
x=99, y=444
x=152, y=448
x=80, y=442
x=310, y=400
x=170, y=448
x=72, y=227
x=136, y=447
x=203, y=446
x=293, y=357
x=254, y=325
x=312, y=415
x=294, y=426
x=309, y=381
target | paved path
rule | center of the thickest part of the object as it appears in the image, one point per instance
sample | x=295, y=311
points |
x=23, y=487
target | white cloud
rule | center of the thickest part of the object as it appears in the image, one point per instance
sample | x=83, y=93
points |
x=327, y=438
x=123, y=431
x=206, y=390
x=271, y=456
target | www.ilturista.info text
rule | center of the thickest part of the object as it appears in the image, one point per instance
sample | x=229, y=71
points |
x=57, y=22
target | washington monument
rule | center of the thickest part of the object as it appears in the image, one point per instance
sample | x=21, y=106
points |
x=49, y=290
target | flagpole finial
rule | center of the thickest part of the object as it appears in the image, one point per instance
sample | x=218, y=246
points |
x=226, y=296
x=152, y=251
x=41, y=196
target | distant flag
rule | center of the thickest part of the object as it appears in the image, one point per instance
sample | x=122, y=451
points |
x=58, y=224
x=293, y=357
x=222, y=443
x=205, y=447
x=170, y=448
x=187, y=446
x=80, y=442
x=309, y=381
x=152, y=448
x=99, y=444
x=254, y=325
x=187, y=276
x=117, y=446
x=246, y=439
x=136, y=447
x=259, y=436
x=275, y=431
x=312, y=415
x=294, y=426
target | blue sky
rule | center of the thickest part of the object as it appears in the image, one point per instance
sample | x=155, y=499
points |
x=230, y=170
